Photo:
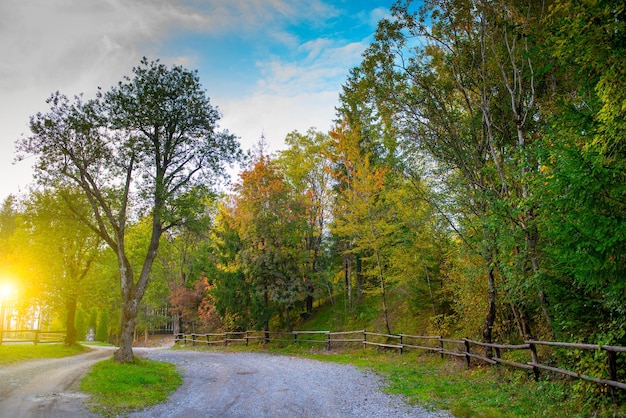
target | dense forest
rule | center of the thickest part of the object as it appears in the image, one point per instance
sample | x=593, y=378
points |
x=477, y=167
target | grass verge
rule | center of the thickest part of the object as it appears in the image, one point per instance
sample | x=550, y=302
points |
x=11, y=353
x=482, y=391
x=118, y=389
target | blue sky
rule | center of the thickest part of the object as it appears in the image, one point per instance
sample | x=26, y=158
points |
x=271, y=66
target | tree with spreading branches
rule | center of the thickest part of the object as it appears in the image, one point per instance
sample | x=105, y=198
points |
x=149, y=146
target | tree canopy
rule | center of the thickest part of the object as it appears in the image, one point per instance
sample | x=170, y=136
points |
x=149, y=145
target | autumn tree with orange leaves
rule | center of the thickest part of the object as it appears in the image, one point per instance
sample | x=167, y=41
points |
x=270, y=220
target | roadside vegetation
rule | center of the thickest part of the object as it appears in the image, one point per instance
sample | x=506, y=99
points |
x=441, y=383
x=446, y=383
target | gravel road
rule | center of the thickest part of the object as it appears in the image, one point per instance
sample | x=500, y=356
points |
x=262, y=385
x=215, y=384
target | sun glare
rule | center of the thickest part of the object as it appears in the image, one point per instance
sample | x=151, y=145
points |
x=7, y=291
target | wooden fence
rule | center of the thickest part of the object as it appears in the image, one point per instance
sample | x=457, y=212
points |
x=464, y=348
x=31, y=335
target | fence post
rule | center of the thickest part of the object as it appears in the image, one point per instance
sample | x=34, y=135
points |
x=441, y=346
x=246, y=338
x=468, y=358
x=328, y=341
x=364, y=339
x=533, y=353
x=612, y=355
x=401, y=345
x=295, y=336
x=193, y=339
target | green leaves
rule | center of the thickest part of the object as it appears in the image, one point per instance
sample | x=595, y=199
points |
x=148, y=145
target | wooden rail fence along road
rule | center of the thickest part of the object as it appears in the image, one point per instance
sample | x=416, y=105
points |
x=31, y=335
x=462, y=348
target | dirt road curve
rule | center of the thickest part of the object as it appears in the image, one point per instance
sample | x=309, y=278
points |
x=47, y=387
x=215, y=385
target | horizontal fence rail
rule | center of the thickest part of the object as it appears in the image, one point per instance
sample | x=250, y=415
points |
x=465, y=348
x=31, y=335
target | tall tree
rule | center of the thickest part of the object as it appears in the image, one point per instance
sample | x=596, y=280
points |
x=8, y=214
x=176, y=267
x=68, y=248
x=231, y=292
x=145, y=146
x=306, y=166
x=363, y=212
x=271, y=220
x=583, y=173
x=458, y=81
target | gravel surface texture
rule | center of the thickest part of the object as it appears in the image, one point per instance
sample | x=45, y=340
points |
x=215, y=384
x=262, y=385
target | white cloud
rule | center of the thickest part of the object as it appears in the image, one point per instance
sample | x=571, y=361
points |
x=57, y=42
x=324, y=69
x=293, y=95
x=77, y=45
x=275, y=116
x=377, y=15
x=73, y=46
x=316, y=47
x=259, y=12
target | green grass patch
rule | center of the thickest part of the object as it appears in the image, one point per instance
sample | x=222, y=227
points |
x=11, y=353
x=482, y=391
x=477, y=392
x=118, y=389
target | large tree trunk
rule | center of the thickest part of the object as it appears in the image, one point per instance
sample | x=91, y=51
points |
x=348, y=281
x=129, y=316
x=266, y=320
x=288, y=319
x=491, y=309
x=383, y=292
x=176, y=324
x=309, y=297
x=131, y=297
x=359, y=278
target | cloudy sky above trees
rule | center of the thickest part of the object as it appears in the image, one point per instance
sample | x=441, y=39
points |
x=271, y=66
